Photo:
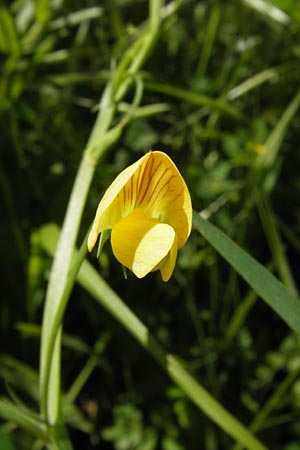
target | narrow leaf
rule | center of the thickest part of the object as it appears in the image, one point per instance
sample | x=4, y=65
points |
x=24, y=418
x=269, y=11
x=275, y=294
x=9, y=41
x=273, y=236
x=273, y=143
x=194, y=98
x=42, y=11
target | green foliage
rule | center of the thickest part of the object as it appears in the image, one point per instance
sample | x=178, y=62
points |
x=216, y=86
x=128, y=430
x=6, y=441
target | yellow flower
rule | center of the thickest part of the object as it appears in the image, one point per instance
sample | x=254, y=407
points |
x=148, y=208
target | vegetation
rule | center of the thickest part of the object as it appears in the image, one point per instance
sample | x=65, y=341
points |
x=91, y=359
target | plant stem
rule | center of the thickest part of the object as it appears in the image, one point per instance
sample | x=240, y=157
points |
x=61, y=280
x=57, y=282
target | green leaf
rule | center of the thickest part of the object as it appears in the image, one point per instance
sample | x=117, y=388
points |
x=42, y=11
x=19, y=375
x=9, y=41
x=194, y=98
x=23, y=417
x=275, y=294
x=6, y=442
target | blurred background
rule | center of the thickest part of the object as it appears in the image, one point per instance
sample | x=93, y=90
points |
x=223, y=81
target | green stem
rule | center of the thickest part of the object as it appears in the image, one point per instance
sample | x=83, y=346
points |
x=55, y=302
x=54, y=336
x=85, y=373
x=58, y=293
x=57, y=282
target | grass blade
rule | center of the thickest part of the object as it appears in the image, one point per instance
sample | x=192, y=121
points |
x=273, y=143
x=211, y=32
x=275, y=294
x=276, y=245
x=9, y=42
x=22, y=417
x=194, y=98
x=42, y=11
x=269, y=11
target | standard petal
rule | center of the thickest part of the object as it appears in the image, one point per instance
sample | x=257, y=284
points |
x=163, y=194
x=140, y=243
x=118, y=201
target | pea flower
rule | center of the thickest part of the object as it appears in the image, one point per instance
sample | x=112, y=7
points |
x=148, y=209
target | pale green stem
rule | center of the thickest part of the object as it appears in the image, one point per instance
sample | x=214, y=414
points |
x=55, y=331
x=101, y=137
x=57, y=282
x=85, y=373
x=63, y=259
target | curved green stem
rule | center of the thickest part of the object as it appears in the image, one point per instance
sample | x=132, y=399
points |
x=54, y=336
x=61, y=279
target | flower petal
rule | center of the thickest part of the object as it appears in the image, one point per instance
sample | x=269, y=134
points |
x=118, y=200
x=140, y=243
x=163, y=195
x=167, y=267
